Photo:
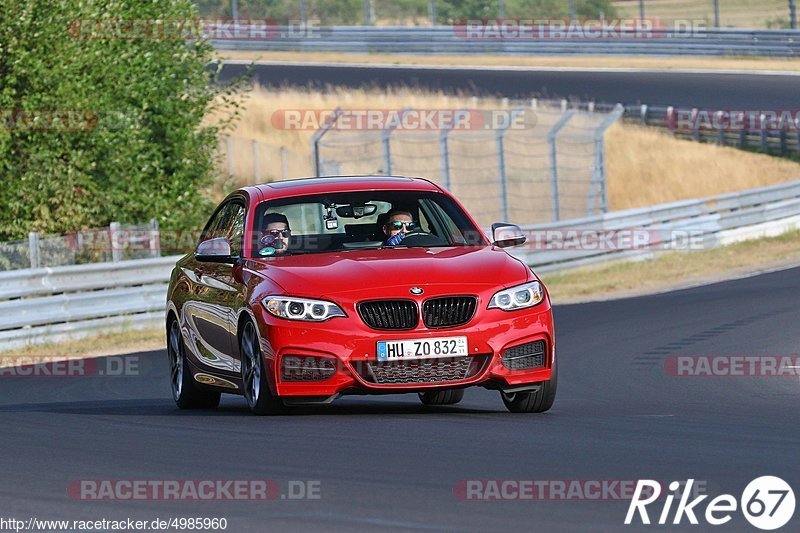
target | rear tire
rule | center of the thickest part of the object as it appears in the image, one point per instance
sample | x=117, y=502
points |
x=442, y=397
x=254, y=379
x=533, y=402
x=185, y=392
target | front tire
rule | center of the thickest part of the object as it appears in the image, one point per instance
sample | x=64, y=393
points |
x=185, y=392
x=533, y=402
x=254, y=379
x=442, y=397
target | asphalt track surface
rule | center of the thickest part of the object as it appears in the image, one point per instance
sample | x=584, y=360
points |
x=389, y=463
x=733, y=91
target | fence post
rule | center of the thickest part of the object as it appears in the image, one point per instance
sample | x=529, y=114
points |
x=797, y=132
x=116, y=253
x=284, y=163
x=367, y=13
x=34, y=250
x=644, y=114
x=316, y=161
x=764, y=139
x=432, y=11
x=229, y=150
x=501, y=161
x=792, y=14
x=695, y=124
x=670, y=119
x=256, y=165
x=720, y=130
x=445, y=157
x=155, y=238
x=551, y=140
x=386, y=138
x=599, y=177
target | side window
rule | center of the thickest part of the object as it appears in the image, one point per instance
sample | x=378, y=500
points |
x=440, y=217
x=215, y=223
x=235, y=228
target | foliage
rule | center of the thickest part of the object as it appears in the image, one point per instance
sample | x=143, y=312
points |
x=97, y=127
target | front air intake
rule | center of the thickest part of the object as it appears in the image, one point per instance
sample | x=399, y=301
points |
x=525, y=356
x=391, y=315
x=449, y=311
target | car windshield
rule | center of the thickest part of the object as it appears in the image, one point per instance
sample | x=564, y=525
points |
x=361, y=220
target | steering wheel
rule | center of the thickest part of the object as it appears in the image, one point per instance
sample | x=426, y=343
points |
x=421, y=238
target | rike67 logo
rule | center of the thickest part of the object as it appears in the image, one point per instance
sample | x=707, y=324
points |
x=767, y=503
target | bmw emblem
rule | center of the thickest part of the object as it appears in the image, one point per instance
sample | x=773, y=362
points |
x=416, y=290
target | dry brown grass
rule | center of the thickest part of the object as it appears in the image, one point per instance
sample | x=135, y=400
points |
x=587, y=61
x=733, y=13
x=108, y=344
x=645, y=166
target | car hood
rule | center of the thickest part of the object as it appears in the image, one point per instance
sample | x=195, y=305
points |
x=317, y=275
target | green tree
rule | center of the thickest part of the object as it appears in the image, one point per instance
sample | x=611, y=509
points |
x=142, y=151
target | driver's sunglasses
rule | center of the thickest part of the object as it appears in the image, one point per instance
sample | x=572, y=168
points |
x=285, y=233
x=399, y=225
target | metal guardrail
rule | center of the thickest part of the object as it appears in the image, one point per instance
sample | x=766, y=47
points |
x=708, y=222
x=51, y=304
x=442, y=40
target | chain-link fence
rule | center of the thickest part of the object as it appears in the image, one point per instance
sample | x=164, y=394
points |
x=541, y=165
x=115, y=243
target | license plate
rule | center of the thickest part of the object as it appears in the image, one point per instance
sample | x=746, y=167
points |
x=422, y=348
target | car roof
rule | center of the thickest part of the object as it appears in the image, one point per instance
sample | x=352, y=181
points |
x=333, y=184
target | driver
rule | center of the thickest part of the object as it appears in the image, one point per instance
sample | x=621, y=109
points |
x=275, y=237
x=399, y=223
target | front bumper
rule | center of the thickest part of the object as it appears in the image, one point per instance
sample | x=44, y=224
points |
x=352, y=348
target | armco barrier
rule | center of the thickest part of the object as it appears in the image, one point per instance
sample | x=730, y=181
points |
x=53, y=304
x=431, y=40
x=711, y=221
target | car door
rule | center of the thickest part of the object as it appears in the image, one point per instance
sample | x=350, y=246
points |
x=216, y=294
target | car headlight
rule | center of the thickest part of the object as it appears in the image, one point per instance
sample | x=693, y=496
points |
x=301, y=308
x=519, y=297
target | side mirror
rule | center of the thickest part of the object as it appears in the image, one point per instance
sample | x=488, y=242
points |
x=215, y=251
x=505, y=235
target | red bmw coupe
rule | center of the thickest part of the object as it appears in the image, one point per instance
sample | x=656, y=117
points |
x=302, y=291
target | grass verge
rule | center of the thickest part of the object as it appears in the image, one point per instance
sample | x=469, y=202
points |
x=116, y=344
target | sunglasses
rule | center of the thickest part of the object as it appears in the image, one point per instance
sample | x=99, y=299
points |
x=278, y=232
x=399, y=225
